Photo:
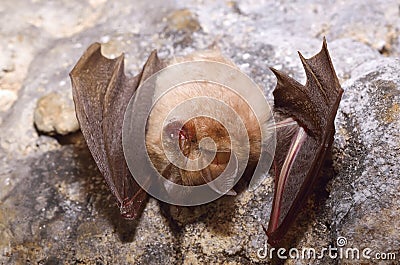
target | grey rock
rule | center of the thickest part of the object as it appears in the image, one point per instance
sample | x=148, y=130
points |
x=375, y=23
x=61, y=210
x=7, y=98
x=364, y=194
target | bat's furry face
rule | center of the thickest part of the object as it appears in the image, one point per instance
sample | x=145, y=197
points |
x=189, y=133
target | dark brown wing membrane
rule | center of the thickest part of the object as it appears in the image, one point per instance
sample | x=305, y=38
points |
x=101, y=92
x=302, y=148
x=293, y=100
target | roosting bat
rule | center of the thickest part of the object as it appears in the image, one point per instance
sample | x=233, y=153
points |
x=301, y=148
x=101, y=93
x=305, y=128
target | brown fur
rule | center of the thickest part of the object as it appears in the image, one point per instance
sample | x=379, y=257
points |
x=200, y=127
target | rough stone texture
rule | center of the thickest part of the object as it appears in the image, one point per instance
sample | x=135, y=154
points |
x=55, y=207
x=55, y=114
x=366, y=212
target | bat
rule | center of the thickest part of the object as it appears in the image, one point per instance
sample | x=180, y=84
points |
x=101, y=92
x=305, y=127
x=190, y=133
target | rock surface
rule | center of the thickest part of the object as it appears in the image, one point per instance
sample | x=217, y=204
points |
x=54, y=205
x=55, y=114
x=366, y=212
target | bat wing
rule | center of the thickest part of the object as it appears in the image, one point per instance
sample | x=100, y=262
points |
x=101, y=93
x=302, y=148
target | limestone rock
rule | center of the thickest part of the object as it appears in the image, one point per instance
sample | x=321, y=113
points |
x=55, y=115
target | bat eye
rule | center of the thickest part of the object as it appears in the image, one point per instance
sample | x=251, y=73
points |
x=177, y=131
x=174, y=130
